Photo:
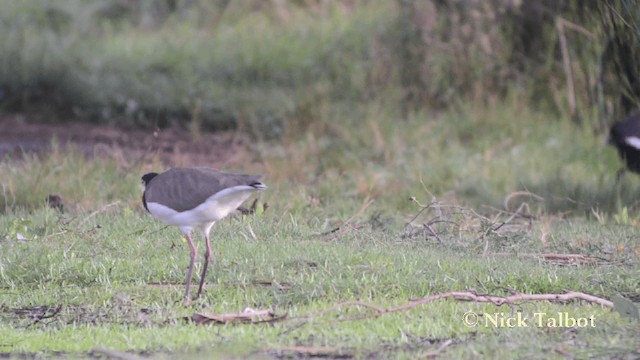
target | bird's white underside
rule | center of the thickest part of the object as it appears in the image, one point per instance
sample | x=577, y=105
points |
x=216, y=207
x=633, y=141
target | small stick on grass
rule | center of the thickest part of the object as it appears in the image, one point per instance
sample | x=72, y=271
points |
x=567, y=258
x=346, y=225
x=102, y=209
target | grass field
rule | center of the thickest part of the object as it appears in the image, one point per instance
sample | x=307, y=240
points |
x=340, y=227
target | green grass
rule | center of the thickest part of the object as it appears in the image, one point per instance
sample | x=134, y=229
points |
x=102, y=260
x=99, y=269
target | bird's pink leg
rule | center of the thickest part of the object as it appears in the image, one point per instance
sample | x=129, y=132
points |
x=194, y=254
x=207, y=257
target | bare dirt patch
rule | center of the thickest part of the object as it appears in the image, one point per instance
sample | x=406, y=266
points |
x=172, y=146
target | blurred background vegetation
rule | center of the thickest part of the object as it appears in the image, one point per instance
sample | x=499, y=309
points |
x=482, y=98
x=270, y=67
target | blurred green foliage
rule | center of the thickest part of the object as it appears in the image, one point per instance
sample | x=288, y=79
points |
x=269, y=67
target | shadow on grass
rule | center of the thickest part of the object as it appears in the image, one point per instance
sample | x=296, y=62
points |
x=558, y=194
x=584, y=198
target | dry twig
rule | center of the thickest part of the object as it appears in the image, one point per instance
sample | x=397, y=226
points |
x=462, y=296
x=346, y=226
x=102, y=209
x=562, y=258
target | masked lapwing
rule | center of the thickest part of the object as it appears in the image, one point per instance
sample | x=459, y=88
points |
x=625, y=136
x=196, y=198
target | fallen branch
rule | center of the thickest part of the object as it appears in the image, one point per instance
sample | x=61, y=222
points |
x=502, y=300
x=462, y=296
x=561, y=258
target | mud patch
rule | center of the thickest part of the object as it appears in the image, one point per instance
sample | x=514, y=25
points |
x=172, y=146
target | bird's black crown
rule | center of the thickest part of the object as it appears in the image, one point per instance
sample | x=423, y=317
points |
x=146, y=178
